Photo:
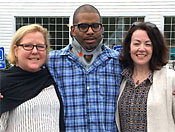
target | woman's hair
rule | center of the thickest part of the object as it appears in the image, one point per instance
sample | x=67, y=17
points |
x=160, y=49
x=20, y=33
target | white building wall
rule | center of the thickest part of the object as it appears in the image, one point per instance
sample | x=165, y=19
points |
x=154, y=10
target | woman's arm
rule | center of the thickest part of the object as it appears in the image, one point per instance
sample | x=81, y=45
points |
x=173, y=97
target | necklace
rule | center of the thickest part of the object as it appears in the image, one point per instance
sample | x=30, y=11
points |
x=137, y=82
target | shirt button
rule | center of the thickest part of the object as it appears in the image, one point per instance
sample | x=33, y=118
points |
x=88, y=87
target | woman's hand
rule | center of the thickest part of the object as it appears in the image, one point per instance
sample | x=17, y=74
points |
x=174, y=92
x=1, y=96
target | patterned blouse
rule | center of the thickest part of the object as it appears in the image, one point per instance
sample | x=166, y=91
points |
x=133, y=104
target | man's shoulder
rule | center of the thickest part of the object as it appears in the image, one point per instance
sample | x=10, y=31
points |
x=58, y=53
x=55, y=53
x=110, y=52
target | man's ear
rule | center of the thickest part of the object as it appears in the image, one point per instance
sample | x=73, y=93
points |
x=72, y=32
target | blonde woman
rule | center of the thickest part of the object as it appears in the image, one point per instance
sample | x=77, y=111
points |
x=31, y=101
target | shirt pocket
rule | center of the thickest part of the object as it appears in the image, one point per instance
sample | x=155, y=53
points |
x=107, y=85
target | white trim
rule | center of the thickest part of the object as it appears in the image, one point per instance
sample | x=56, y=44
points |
x=123, y=14
x=163, y=18
x=43, y=15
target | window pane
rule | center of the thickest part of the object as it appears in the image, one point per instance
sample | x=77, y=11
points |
x=59, y=20
x=133, y=20
x=25, y=20
x=167, y=28
x=66, y=35
x=105, y=34
x=39, y=20
x=59, y=34
x=31, y=20
x=173, y=43
x=111, y=35
x=18, y=21
x=105, y=27
x=167, y=20
x=167, y=34
x=52, y=20
x=52, y=34
x=59, y=28
x=65, y=28
x=52, y=42
x=45, y=20
x=105, y=20
x=127, y=20
x=66, y=41
x=173, y=27
x=46, y=26
x=112, y=20
x=51, y=27
x=112, y=27
x=66, y=21
x=141, y=19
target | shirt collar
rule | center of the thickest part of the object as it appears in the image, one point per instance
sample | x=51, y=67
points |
x=127, y=73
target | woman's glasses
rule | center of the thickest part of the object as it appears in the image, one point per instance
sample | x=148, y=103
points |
x=40, y=47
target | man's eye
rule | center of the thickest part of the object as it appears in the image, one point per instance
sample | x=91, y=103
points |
x=96, y=25
x=83, y=26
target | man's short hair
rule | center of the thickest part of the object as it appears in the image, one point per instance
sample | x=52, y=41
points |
x=84, y=9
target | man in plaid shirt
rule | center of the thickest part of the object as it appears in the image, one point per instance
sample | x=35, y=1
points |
x=88, y=75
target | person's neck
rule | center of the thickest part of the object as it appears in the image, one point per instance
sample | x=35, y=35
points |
x=88, y=57
x=140, y=73
x=85, y=57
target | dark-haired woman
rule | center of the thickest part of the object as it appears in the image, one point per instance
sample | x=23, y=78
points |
x=146, y=102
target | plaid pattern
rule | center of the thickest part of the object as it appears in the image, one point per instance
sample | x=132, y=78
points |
x=89, y=96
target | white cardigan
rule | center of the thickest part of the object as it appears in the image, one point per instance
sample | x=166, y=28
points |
x=39, y=114
x=160, y=103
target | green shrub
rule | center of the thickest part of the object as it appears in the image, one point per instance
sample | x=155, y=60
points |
x=7, y=63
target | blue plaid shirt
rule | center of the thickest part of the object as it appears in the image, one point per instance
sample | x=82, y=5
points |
x=89, y=96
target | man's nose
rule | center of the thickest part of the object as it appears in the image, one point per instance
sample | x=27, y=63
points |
x=90, y=31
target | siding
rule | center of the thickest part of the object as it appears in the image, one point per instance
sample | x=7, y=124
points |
x=154, y=10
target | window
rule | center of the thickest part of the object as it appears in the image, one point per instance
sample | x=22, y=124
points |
x=116, y=27
x=58, y=28
x=169, y=33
